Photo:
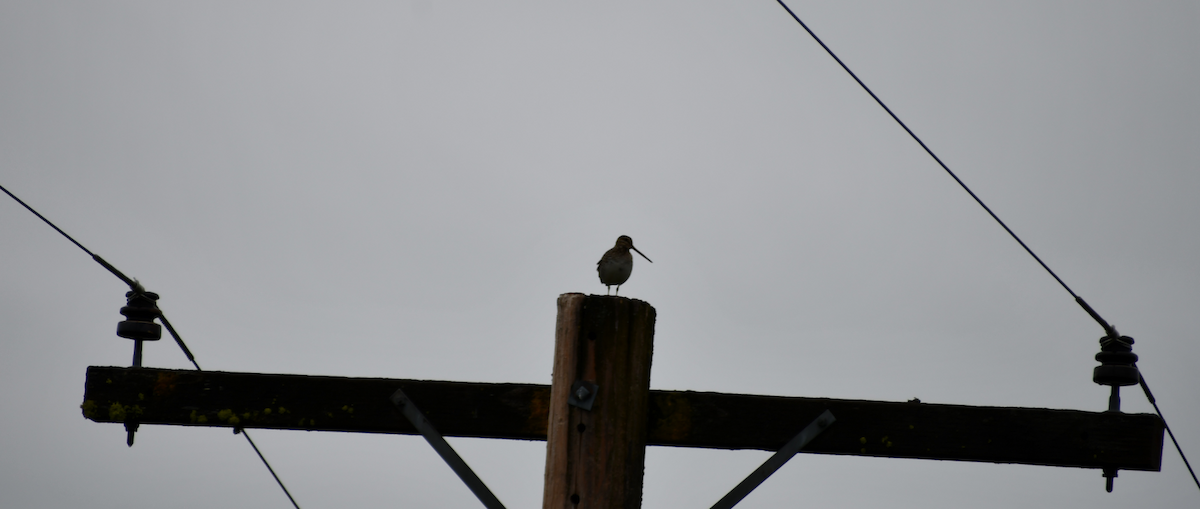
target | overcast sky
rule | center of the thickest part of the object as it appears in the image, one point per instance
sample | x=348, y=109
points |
x=402, y=189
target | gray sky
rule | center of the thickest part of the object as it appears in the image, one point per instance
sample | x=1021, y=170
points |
x=402, y=189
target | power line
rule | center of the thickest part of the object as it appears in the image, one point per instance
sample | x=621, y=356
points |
x=272, y=470
x=59, y=230
x=137, y=288
x=132, y=284
x=1108, y=329
x=927, y=150
x=178, y=340
x=1149, y=396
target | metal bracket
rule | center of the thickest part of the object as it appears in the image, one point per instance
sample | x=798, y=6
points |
x=583, y=394
x=456, y=463
x=775, y=461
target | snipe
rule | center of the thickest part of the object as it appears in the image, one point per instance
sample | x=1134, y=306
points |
x=616, y=264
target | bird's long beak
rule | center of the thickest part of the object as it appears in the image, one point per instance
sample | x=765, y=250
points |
x=639, y=252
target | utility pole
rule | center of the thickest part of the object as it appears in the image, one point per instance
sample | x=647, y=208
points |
x=599, y=399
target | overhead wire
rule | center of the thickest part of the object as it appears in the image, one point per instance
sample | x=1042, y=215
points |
x=137, y=287
x=132, y=284
x=1150, y=396
x=927, y=150
x=269, y=469
x=1108, y=328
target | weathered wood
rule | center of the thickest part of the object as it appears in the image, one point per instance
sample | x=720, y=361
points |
x=558, y=430
x=595, y=458
x=313, y=403
x=1036, y=436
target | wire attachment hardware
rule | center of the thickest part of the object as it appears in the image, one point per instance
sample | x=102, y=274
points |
x=140, y=310
x=1118, y=368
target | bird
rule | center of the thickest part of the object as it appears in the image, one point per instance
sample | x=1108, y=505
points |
x=616, y=264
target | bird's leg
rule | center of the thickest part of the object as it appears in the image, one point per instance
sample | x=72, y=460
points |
x=607, y=290
x=618, y=291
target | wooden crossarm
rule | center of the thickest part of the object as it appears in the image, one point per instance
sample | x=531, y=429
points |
x=1035, y=436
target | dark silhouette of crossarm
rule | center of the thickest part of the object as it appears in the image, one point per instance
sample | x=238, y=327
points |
x=1069, y=438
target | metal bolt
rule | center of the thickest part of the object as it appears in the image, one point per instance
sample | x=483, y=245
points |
x=582, y=393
